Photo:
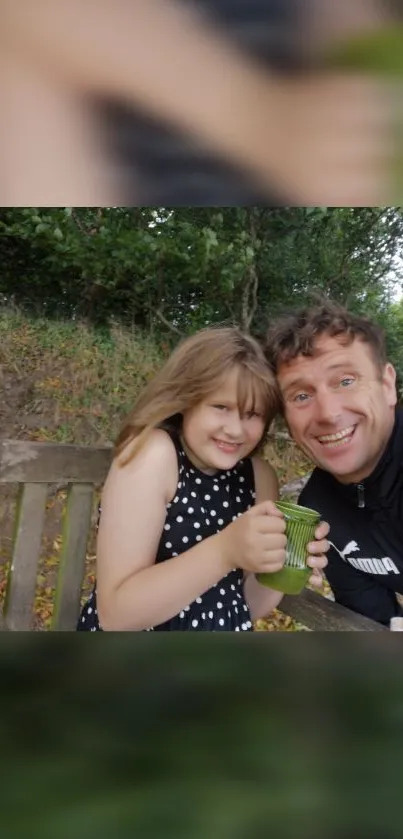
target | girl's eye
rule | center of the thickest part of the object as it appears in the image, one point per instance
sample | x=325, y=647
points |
x=220, y=407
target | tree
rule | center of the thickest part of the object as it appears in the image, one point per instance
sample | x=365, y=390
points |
x=174, y=270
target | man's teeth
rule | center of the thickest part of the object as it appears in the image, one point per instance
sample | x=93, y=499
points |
x=338, y=439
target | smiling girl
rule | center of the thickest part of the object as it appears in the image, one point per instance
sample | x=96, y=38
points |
x=187, y=509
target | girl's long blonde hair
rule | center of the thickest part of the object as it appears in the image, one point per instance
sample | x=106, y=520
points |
x=197, y=368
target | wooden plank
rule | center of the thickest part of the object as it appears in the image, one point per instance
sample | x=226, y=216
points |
x=75, y=536
x=22, y=461
x=21, y=584
x=318, y=613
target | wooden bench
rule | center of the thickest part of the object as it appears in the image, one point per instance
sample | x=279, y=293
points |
x=36, y=467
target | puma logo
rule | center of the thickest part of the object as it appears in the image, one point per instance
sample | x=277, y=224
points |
x=372, y=566
x=350, y=547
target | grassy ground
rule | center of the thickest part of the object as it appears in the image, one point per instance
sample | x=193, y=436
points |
x=67, y=382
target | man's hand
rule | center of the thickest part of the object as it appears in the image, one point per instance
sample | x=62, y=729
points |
x=317, y=550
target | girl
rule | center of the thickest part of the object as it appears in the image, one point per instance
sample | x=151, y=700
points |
x=180, y=539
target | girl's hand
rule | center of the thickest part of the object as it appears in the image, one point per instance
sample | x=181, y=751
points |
x=255, y=541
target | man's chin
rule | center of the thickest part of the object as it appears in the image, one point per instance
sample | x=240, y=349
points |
x=345, y=473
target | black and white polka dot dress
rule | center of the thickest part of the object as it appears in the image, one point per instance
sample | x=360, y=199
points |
x=202, y=506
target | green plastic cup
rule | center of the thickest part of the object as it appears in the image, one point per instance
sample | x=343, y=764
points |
x=300, y=525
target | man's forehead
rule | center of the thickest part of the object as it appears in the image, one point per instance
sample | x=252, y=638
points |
x=326, y=344
x=330, y=343
x=337, y=351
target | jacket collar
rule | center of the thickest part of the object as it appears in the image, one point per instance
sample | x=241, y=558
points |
x=379, y=488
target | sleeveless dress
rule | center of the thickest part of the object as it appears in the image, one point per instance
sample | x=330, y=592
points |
x=202, y=506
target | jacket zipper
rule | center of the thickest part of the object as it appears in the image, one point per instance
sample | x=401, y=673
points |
x=361, y=497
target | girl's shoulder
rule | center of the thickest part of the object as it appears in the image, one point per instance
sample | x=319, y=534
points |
x=158, y=444
x=161, y=444
x=156, y=462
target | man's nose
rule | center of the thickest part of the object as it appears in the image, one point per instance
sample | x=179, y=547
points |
x=327, y=407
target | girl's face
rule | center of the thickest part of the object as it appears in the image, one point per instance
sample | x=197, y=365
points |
x=215, y=433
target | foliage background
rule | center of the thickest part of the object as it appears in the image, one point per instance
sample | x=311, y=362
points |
x=169, y=271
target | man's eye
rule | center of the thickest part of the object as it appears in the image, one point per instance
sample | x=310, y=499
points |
x=348, y=380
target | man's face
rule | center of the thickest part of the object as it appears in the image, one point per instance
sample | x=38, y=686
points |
x=339, y=406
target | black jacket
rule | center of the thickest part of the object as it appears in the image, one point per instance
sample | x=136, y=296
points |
x=366, y=531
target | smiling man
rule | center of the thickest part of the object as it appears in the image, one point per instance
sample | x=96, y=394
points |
x=339, y=401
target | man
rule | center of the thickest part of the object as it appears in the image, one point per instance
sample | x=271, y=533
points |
x=339, y=400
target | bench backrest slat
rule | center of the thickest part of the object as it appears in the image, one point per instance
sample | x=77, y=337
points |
x=20, y=593
x=26, y=462
x=72, y=561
